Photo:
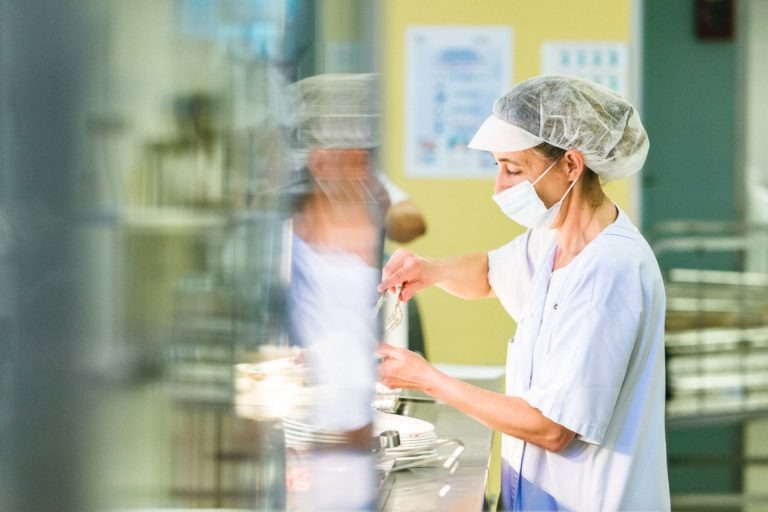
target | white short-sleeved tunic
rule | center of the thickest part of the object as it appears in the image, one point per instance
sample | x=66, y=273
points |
x=589, y=354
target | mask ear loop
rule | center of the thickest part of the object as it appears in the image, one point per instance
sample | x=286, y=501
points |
x=545, y=172
x=573, y=184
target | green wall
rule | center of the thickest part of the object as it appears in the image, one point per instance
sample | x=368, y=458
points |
x=704, y=458
x=689, y=110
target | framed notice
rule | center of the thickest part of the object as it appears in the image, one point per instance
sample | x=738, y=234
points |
x=604, y=62
x=453, y=76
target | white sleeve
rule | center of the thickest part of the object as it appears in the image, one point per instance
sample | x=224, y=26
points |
x=595, y=331
x=511, y=268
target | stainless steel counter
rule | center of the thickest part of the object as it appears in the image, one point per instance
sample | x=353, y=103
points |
x=462, y=488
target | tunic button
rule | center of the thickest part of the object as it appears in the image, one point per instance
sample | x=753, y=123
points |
x=555, y=306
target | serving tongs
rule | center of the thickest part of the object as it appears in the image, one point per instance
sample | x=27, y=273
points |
x=395, y=318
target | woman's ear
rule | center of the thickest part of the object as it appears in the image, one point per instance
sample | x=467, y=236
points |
x=574, y=159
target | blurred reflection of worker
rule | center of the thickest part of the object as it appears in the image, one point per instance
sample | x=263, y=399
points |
x=334, y=272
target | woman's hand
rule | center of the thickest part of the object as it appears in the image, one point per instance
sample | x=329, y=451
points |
x=411, y=272
x=403, y=369
x=462, y=276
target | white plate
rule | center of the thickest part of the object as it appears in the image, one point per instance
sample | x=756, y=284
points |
x=333, y=433
x=411, y=448
x=414, y=446
x=407, y=427
x=305, y=428
x=308, y=437
x=323, y=433
x=318, y=437
x=417, y=439
x=415, y=458
x=403, y=448
x=394, y=452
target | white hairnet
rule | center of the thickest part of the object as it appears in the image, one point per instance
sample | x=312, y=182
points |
x=337, y=111
x=573, y=113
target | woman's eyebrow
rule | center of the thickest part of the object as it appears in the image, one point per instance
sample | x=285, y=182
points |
x=508, y=161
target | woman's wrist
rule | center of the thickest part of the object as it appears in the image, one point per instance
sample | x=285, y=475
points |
x=435, y=271
x=431, y=382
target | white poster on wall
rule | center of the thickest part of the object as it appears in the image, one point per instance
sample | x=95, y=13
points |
x=604, y=62
x=453, y=76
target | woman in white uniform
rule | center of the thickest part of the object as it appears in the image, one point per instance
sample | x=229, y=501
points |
x=583, y=414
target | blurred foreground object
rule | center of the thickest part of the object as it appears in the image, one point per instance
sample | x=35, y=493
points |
x=334, y=272
x=405, y=222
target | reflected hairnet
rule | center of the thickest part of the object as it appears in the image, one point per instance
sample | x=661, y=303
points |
x=337, y=111
x=574, y=113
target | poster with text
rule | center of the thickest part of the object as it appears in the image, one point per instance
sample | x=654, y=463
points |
x=453, y=76
x=604, y=62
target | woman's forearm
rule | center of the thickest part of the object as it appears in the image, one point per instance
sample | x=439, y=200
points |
x=507, y=414
x=464, y=276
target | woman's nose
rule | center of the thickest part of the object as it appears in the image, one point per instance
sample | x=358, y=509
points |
x=500, y=184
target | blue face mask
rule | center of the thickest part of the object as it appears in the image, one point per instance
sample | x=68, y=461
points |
x=523, y=205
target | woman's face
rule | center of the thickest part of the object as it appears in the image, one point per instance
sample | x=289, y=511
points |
x=527, y=165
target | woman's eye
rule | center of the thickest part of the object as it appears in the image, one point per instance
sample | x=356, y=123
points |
x=508, y=170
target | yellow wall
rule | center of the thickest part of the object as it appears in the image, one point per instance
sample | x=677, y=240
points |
x=460, y=214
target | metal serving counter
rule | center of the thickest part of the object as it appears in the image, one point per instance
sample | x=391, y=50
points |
x=460, y=488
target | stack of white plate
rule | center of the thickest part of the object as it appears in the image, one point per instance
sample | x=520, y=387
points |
x=303, y=435
x=417, y=439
